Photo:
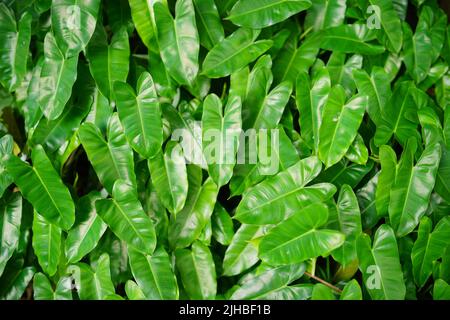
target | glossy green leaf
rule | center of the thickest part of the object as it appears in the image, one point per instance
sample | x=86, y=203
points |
x=222, y=59
x=429, y=247
x=208, y=23
x=284, y=194
x=42, y=187
x=43, y=289
x=197, y=271
x=46, y=243
x=58, y=75
x=221, y=132
x=168, y=172
x=179, y=41
x=241, y=254
x=272, y=284
x=441, y=290
x=112, y=159
x=11, y=215
x=93, y=283
x=222, y=226
x=325, y=13
x=140, y=115
x=311, y=98
x=87, y=230
x=350, y=39
x=340, y=124
x=14, y=54
x=188, y=224
x=73, y=22
x=126, y=218
x=380, y=265
x=154, y=274
x=246, y=13
x=108, y=62
x=411, y=191
x=298, y=238
x=351, y=291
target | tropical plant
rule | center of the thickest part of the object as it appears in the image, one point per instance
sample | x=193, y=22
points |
x=125, y=126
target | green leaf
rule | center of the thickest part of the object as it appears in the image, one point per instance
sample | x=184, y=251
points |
x=222, y=226
x=87, y=230
x=322, y=292
x=188, y=224
x=261, y=204
x=377, y=88
x=179, y=41
x=324, y=14
x=412, y=189
x=208, y=23
x=140, y=115
x=340, y=124
x=43, y=188
x=380, y=266
x=349, y=219
x=14, y=52
x=144, y=19
x=351, y=291
x=386, y=179
x=46, y=243
x=197, y=271
x=43, y=289
x=398, y=116
x=73, y=23
x=221, y=132
x=17, y=284
x=154, y=274
x=133, y=291
x=93, y=284
x=242, y=253
x=58, y=75
x=390, y=22
x=234, y=52
x=429, y=247
x=126, y=218
x=108, y=62
x=10, y=221
x=350, y=39
x=272, y=284
x=112, y=159
x=246, y=13
x=168, y=172
x=441, y=290
x=298, y=238
x=311, y=96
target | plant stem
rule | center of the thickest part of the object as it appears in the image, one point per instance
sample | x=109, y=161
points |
x=329, y=285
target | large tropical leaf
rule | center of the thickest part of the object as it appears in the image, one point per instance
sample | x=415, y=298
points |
x=10, y=221
x=223, y=59
x=126, y=218
x=246, y=13
x=140, y=115
x=87, y=230
x=284, y=194
x=179, y=41
x=221, y=133
x=340, y=124
x=58, y=75
x=380, y=265
x=197, y=271
x=41, y=185
x=112, y=159
x=73, y=23
x=108, y=62
x=46, y=243
x=14, y=53
x=298, y=238
x=168, y=172
x=154, y=274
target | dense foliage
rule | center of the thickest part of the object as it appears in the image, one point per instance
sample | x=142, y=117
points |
x=110, y=186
